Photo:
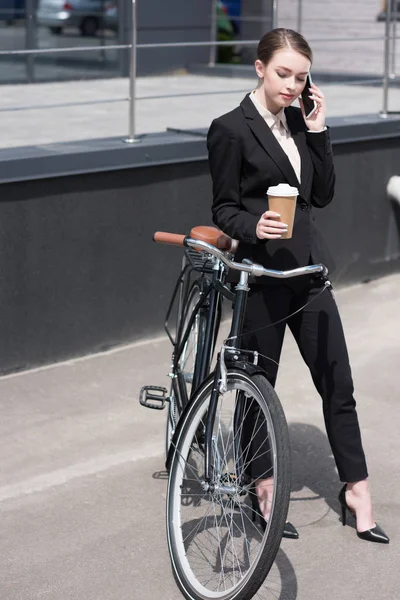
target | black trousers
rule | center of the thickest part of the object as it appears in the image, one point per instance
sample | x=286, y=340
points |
x=318, y=332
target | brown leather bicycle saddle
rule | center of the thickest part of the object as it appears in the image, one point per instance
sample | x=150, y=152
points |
x=214, y=236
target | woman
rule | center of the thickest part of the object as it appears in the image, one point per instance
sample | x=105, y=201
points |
x=263, y=142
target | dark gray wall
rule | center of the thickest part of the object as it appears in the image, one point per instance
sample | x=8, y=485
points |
x=78, y=267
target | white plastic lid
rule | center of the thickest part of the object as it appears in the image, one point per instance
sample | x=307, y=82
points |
x=283, y=189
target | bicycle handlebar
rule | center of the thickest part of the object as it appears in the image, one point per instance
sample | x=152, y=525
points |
x=174, y=239
x=253, y=268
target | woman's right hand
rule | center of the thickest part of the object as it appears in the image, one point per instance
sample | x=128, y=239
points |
x=269, y=227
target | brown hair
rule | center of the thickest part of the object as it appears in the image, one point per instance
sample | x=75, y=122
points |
x=279, y=39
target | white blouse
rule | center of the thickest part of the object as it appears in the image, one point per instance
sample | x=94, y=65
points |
x=279, y=127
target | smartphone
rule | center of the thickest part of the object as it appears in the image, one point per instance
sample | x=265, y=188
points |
x=310, y=106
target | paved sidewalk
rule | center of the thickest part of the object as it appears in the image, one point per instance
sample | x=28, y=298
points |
x=180, y=101
x=82, y=489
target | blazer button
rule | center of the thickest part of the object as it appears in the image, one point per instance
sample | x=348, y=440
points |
x=303, y=206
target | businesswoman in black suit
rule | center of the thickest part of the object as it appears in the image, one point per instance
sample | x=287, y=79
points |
x=261, y=143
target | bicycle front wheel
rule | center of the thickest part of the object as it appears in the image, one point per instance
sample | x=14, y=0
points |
x=220, y=547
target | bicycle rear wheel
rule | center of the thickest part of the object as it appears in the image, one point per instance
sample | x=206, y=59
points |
x=188, y=362
x=217, y=544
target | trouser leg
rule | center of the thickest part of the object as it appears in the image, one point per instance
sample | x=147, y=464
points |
x=266, y=305
x=319, y=334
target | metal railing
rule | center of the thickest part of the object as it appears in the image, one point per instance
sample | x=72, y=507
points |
x=213, y=44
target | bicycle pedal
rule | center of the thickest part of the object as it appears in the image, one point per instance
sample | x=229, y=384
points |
x=153, y=396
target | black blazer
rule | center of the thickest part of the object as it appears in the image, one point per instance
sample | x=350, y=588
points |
x=245, y=159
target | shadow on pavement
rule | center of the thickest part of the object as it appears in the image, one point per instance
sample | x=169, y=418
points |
x=288, y=581
x=313, y=466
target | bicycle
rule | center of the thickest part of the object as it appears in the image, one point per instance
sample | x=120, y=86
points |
x=231, y=433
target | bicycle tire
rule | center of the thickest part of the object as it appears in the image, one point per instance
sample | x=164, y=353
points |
x=191, y=575
x=195, y=339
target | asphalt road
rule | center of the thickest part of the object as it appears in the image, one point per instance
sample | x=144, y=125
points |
x=82, y=493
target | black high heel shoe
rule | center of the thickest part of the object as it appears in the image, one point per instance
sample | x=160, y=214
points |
x=376, y=534
x=289, y=530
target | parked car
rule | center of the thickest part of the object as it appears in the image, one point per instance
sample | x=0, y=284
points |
x=86, y=15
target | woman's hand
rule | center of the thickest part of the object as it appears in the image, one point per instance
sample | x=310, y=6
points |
x=269, y=227
x=317, y=120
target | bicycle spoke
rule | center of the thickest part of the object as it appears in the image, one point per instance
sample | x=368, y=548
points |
x=247, y=448
x=230, y=532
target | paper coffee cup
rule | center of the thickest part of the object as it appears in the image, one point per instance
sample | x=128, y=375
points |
x=282, y=199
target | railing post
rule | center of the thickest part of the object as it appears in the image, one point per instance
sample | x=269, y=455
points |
x=213, y=34
x=384, y=112
x=274, y=14
x=394, y=33
x=299, y=15
x=132, y=79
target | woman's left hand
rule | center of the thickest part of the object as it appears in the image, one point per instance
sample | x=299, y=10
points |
x=317, y=120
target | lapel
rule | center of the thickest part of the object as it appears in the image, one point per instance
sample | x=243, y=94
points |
x=271, y=145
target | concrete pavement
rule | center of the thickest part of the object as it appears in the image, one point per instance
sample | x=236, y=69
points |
x=179, y=101
x=82, y=494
